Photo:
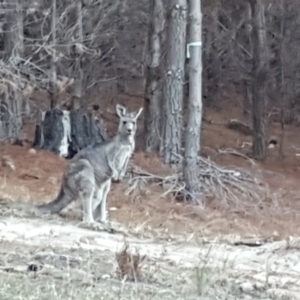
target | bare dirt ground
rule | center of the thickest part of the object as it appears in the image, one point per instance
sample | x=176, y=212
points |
x=188, y=252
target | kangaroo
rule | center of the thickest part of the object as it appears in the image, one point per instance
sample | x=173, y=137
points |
x=90, y=172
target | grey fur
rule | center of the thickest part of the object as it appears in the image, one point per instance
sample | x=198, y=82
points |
x=90, y=172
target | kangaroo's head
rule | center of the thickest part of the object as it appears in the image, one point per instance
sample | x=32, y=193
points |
x=127, y=122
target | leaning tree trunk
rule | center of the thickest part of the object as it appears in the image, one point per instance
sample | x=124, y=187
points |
x=192, y=136
x=153, y=94
x=173, y=90
x=12, y=99
x=259, y=78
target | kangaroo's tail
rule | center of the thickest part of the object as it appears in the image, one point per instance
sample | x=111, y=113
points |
x=55, y=206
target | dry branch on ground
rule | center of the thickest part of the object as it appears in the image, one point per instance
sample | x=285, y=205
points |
x=233, y=189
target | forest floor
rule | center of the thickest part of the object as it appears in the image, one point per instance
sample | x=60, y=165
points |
x=186, y=252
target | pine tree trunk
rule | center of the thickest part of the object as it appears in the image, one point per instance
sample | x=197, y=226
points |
x=174, y=80
x=121, y=29
x=214, y=70
x=153, y=97
x=247, y=83
x=11, y=121
x=259, y=78
x=77, y=71
x=53, y=81
x=193, y=130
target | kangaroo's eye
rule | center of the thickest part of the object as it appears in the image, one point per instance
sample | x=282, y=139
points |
x=124, y=122
x=133, y=123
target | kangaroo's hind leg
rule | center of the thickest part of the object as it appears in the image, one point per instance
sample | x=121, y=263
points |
x=100, y=209
x=98, y=196
x=86, y=196
x=85, y=183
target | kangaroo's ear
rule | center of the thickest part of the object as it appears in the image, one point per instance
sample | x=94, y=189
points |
x=121, y=110
x=137, y=114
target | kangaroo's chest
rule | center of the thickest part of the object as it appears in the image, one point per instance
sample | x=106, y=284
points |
x=122, y=155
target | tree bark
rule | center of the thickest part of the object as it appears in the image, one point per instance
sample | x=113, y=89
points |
x=53, y=81
x=49, y=134
x=214, y=63
x=259, y=78
x=247, y=82
x=193, y=130
x=247, y=96
x=281, y=79
x=78, y=86
x=121, y=28
x=174, y=80
x=153, y=93
x=67, y=132
x=12, y=100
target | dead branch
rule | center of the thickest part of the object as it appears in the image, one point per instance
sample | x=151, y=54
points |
x=236, y=153
x=233, y=189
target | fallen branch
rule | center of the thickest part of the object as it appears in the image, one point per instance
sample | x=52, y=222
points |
x=232, y=189
x=236, y=153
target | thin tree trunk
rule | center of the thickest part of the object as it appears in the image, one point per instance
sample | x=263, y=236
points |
x=246, y=97
x=193, y=130
x=214, y=59
x=281, y=80
x=259, y=78
x=120, y=27
x=247, y=86
x=153, y=91
x=53, y=81
x=12, y=102
x=174, y=80
x=78, y=87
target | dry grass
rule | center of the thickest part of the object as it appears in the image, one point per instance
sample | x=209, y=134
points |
x=20, y=288
x=72, y=274
x=129, y=264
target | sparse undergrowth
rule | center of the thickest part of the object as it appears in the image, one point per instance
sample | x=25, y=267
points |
x=40, y=259
x=61, y=281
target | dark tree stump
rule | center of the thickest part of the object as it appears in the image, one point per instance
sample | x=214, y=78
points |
x=50, y=132
x=67, y=132
x=85, y=131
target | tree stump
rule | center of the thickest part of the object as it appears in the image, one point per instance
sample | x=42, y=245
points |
x=67, y=132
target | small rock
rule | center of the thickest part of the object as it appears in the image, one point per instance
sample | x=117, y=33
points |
x=78, y=275
x=33, y=267
x=32, y=151
x=7, y=162
x=247, y=287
